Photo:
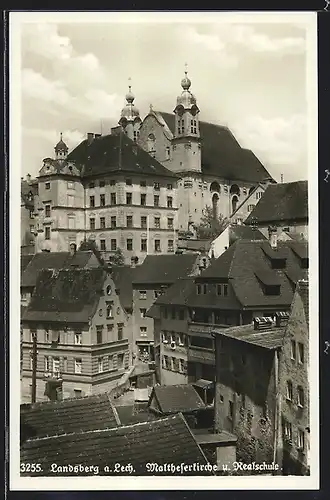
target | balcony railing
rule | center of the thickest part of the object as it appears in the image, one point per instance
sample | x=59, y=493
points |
x=53, y=374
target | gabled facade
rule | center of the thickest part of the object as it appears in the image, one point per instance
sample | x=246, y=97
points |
x=82, y=332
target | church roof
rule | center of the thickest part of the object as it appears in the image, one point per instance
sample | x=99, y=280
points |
x=115, y=153
x=218, y=141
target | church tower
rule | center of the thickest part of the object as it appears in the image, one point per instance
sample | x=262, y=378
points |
x=61, y=150
x=186, y=141
x=130, y=120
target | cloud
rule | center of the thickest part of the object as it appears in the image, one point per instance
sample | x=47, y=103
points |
x=71, y=137
x=279, y=142
x=38, y=87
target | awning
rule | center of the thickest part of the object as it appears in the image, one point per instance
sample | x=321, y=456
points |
x=203, y=384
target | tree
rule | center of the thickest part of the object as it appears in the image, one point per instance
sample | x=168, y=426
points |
x=210, y=227
x=117, y=258
x=90, y=245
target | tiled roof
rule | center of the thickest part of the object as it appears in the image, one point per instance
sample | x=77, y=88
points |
x=268, y=339
x=65, y=295
x=164, y=269
x=123, y=277
x=25, y=259
x=194, y=245
x=116, y=153
x=129, y=414
x=218, y=142
x=176, y=398
x=303, y=291
x=282, y=202
x=240, y=232
x=163, y=441
x=65, y=417
x=239, y=267
x=52, y=260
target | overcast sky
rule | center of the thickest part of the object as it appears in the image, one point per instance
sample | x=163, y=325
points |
x=248, y=76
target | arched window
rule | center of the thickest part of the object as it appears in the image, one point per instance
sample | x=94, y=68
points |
x=215, y=187
x=234, y=203
x=151, y=143
x=215, y=202
x=234, y=189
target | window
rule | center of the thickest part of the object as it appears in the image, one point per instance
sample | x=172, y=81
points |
x=47, y=364
x=225, y=290
x=128, y=182
x=250, y=207
x=143, y=200
x=31, y=228
x=170, y=246
x=143, y=313
x=181, y=314
x=99, y=332
x=102, y=200
x=219, y=289
x=199, y=289
x=47, y=233
x=102, y=184
x=129, y=221
x=204, y=289
x=300, y=352
x=77, y=338
x=293, y=349
x=129, y=244
x=143, y=294
x=169, y=202
x=47, y=337
x=103, y=245
x=113, y=245
x=157, y=246
x=120, y=361
x=156, y=200
x=143, y=184
x=47, y=210
x=113, y=222
x=110, y=328
x=102, y=222
x=112, y=182
x=92, y=223
x=77, y=365
x=128, y=198
x=258, y=195
x=71, y=221
x=100, y=365
x=113, y=200
x=109, y=310
x=231, y=410
x=301, y=439
x=169, y=186
x=300, y=397
x=157, y=222
x=143, y=222
x=47, y=185
x=143, y=331
x=289, y=390
x=167, y=153
x=120, y=331
x=92, y=201
x=182, y=367
x=157, y=186
x=135, y=135
x=143, y=245
x=77, y=393
x=110, y=361
x=287, y=429
x=221, y=398
x=91, y=185
x=170, y=223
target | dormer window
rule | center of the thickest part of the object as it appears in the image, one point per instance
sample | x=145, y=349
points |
x=270, y=282
x=277, y=257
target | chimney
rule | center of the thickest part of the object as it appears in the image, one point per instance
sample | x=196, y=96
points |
x=90, y=137
x=73, y=249
x=134, y=261
x=28, y=177
x=96, y=136
x=272, y=235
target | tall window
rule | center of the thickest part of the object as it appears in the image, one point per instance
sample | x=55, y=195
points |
x=300, y=352
x=47, y=210
x=109, y=310
x=113, y=245
x=100, y=365
x=169, y=223
x=92, y=223
x=157, y=246
x=156, y=186
x=293, y=349
x=143, y=331
x=143, y=245
x=129, y=244
x=301, y=439
x=167, y=153
x=170, y=246
x=99, y=332
x=71, y=221
x=92, y=201
x=120, y=329
x=102, y=200
x=143, y=313
x=113, y=200
x=143, y=200
x=143, y=222
x=78, y=365
x=128, y=198
x=301, y=400
x=113, y=222
x=157, y=222
x=47, y=232
x=102, y=222
x=169, y=202
x=129, y=221
x=103, y=246
x=289, y=390
x=77, y=338
x=231, y=410
x=287, y=429
x=47, y=364
x=156, y=201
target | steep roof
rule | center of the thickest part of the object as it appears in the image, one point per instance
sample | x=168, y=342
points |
x=271, y=338
x=65, y=417
x=219, y=142
x=244, y=266
x=163, y=441
x=282, y=202
x=194, y=245
x=177, y=294
x=115, y=153
x=65, y=295
x=164, y=269
x=176, y=398
x=25, y=259
x=123, y=277
x=52, y=260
